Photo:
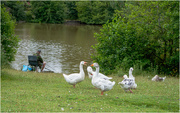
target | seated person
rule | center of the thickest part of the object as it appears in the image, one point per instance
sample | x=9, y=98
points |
x=40, y=60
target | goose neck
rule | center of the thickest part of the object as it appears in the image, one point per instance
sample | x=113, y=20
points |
x=97, y=71
x=81, y=68
x=130, y=72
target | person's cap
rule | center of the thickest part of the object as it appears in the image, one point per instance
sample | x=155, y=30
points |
x=39, y=50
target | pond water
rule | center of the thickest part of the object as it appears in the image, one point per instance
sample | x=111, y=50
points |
x=62, y=46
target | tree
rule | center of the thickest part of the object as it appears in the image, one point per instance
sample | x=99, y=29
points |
x=48, y=11
x=97, y=12
x=9, y=42
x=16, y=8
x=71, y=12
x=84, y=11
x=144, y=34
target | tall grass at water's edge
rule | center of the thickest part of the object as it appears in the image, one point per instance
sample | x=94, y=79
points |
x=49, y=92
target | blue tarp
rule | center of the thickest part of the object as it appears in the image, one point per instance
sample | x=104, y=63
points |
x=26, y=68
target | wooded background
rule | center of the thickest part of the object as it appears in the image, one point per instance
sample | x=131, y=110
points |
x=139, y=34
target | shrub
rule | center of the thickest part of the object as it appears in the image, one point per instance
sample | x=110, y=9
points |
x=143, y=34
x=9, y=42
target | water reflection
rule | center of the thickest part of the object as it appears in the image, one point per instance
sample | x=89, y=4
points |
x=62, y=46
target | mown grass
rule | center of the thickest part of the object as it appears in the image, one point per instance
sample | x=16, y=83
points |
x=49, y=92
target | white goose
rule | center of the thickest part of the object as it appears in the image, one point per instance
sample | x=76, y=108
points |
x=75, y=78
x=127, y=84
x=91, y=73
x=158, y=79
x=134, y=85
x=130, y=73
x=131, y=77
x=100, y=83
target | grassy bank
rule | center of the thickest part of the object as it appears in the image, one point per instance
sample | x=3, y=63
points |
x=49, y=92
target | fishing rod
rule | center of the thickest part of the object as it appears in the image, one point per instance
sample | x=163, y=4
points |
x=50, y=67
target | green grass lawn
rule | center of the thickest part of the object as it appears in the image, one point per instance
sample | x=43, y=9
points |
x=49, y=92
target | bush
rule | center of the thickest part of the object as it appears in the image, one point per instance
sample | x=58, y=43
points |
x=97, y=12
x=16, y=8
x=29, y=16
x=9, y=42
x=48, y=11
x=139, y=36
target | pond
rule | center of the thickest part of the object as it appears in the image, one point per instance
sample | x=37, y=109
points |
x=62, y=46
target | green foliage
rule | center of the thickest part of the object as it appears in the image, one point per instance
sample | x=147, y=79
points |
x=29, y=16
x=16, y=8
x=144, y=34
x=9, y=42
x=71, y=12
x=48, y=11
x=96, y=12
x=89, y=12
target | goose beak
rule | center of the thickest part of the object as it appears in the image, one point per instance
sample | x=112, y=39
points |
x=85, y=63
x=92, y=64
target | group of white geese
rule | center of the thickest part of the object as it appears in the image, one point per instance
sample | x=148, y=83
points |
x=100, y=80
